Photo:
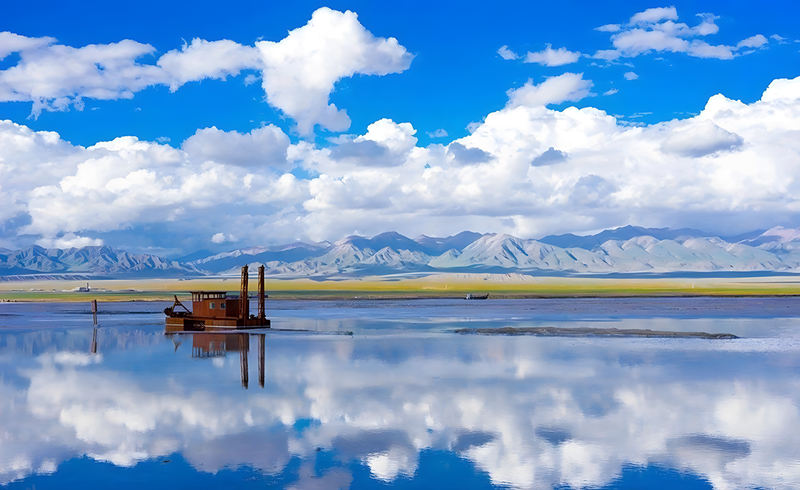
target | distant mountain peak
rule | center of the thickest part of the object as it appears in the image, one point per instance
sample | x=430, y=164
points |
x=438, y=245
x=390, y=235
x=786, y=234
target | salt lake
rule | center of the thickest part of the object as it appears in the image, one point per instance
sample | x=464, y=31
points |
x=383, y=394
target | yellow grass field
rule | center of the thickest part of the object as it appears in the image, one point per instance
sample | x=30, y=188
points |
x=399, y=287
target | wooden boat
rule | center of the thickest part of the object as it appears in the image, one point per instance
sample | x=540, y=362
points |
x=214, y=310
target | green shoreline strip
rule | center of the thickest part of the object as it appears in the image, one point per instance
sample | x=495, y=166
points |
x=25, y=296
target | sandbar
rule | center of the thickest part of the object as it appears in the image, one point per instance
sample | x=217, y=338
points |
x=591, y=332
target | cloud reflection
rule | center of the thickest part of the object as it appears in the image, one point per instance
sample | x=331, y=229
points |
x=530, y=412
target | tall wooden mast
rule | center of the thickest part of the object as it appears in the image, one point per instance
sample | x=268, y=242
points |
x=244, y=300
x=262, y=314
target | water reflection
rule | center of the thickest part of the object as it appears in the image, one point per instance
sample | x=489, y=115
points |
x=217, y=345
x=528, y=412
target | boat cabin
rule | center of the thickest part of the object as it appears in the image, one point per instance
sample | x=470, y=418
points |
x=214, y=304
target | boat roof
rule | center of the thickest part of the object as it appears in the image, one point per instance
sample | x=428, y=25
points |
x=208, y=295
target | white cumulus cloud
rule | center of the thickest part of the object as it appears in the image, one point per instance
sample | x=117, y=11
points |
x=298, y=72
x=553, y=57
x=264, y=146
x=733, y=165
x=756, y=41
x=69, y=240
x=569, y=87
x=14, y=43
x=222, y=238
x=506, y=53
x=653, y=15
x=608, y=28
x=207, y=59
x=385, y=144
x=126, y=182
x=301, y=70
x=55, y=76
x=439, y=133
x=701, y=139
x=656, y=30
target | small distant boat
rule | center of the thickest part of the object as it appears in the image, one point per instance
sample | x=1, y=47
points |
x=478, y=296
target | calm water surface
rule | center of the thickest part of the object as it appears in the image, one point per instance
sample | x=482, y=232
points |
x=403, y=402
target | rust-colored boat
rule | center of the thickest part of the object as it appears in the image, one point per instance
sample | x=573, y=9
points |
x=214, y=310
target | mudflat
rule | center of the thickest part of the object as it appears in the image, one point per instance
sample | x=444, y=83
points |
x=590, y=332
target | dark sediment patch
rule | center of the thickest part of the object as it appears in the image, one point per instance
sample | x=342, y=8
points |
x=590, y=332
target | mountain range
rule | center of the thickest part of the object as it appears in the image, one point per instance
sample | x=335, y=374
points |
x=627, y=249
x=100, y=261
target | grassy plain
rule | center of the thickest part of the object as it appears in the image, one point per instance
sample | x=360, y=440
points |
x=403, y=287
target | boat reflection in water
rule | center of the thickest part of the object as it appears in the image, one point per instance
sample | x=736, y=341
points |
x=94, y=341
x=213, y=345
x=421, y=407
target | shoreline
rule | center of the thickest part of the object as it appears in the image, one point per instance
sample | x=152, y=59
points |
x=371, y=296
x=452, y=286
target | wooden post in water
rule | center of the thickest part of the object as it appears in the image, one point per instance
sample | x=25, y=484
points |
x=262, y=347
x=94, y=341
x=244, y=300
x=244, y=348
x=262, y=314
x=94, y=311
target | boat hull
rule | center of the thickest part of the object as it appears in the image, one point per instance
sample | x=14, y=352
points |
x=198, y=324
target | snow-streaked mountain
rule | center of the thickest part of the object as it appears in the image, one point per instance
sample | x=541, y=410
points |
x=501, y=252
x=233, y=253
x=404, y=259
x=783, y=234
x=291, y=252
x=440, y=245
x=105, y=261
x=778, y=240
x=383, y=253
x=685, y=250
x=624, y=233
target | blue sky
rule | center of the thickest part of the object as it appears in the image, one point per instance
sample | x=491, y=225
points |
x=326, y=175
